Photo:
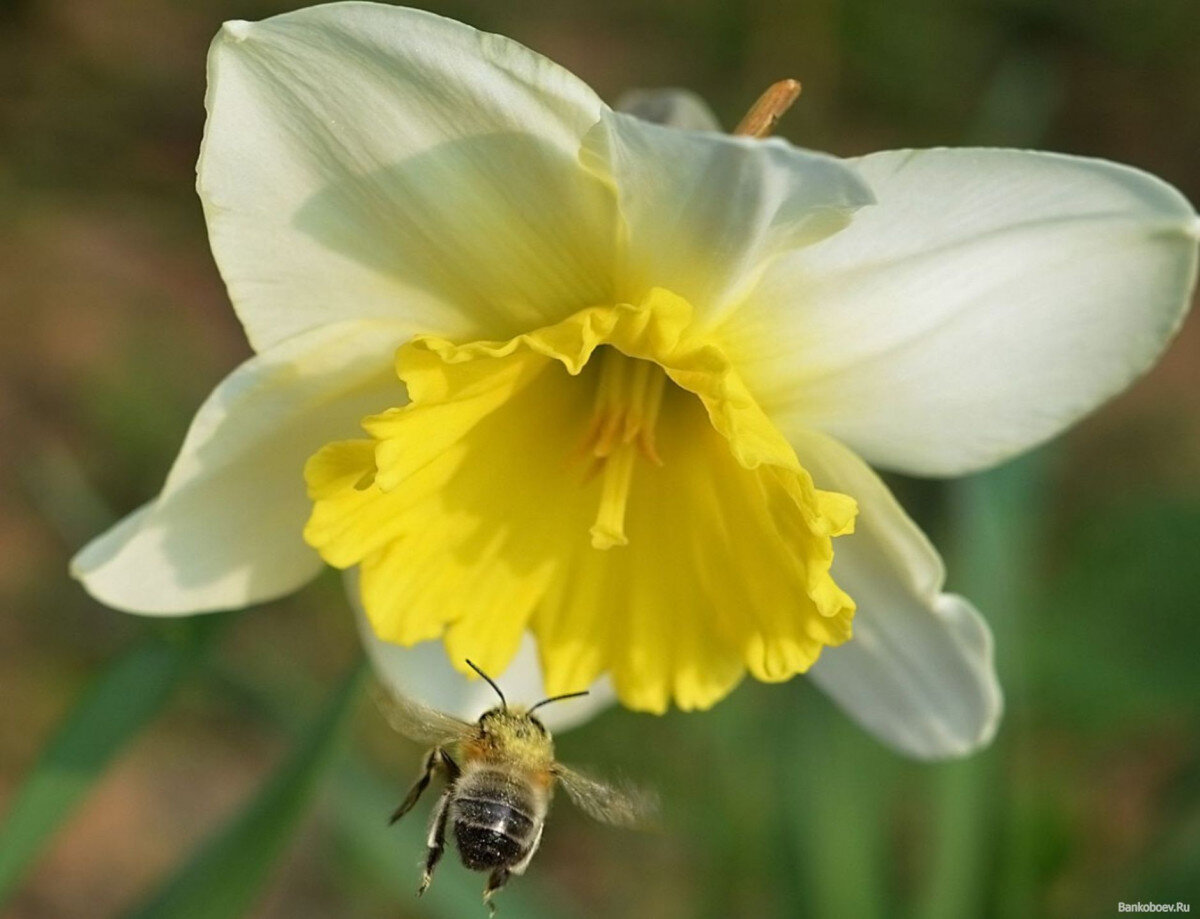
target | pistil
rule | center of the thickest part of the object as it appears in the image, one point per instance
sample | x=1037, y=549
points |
x=628, y=398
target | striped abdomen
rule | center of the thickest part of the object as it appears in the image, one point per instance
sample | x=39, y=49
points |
x=495, y=818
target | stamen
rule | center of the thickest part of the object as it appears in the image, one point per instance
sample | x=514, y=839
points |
x=645, y=399
x=628, y=398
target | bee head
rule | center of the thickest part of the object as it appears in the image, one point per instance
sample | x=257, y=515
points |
x=516, y=723
x=512, y=723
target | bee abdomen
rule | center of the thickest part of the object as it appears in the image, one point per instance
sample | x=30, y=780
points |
x=491, y=834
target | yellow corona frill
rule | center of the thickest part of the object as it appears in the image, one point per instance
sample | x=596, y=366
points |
x=607, y=482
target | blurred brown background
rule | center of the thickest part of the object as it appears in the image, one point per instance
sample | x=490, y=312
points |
x=114, y=325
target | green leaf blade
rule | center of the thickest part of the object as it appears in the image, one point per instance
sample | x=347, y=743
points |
x=224, y=877
x=117, y=705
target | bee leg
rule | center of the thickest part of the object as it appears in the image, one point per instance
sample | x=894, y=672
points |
x=437, y=839
x=435, y=758
x=498, y=879
x=519, y=867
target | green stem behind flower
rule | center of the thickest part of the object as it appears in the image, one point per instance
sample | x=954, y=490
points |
x=112, y=711
x=226, y=875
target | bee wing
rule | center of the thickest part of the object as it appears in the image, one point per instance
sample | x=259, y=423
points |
x=418, y=721
x=620, y=804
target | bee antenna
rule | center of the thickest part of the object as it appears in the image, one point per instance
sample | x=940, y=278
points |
x=570, y=695
x=491, y=683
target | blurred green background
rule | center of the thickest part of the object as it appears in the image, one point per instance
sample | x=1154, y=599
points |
x=208, y=758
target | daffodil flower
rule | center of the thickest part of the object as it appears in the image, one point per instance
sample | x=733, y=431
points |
x=545, y=374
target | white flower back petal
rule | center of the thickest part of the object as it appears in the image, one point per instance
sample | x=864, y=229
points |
x=225, y=531
x=918, y=673
x=423, y=672
x=990, y=299
x=675, y=108
x=363, y=160
x=704, y=213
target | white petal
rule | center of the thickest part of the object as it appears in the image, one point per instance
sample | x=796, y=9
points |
x=675, y=108
x=705, y=212
x=990, y=299
x=424, y=672
x=918, y=673
x=226, y=529
x=362, y=160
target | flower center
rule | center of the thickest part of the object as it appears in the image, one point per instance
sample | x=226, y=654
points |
x=628, y=398
x=467, y=520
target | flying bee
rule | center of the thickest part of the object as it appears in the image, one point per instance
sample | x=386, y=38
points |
x=499, y=785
